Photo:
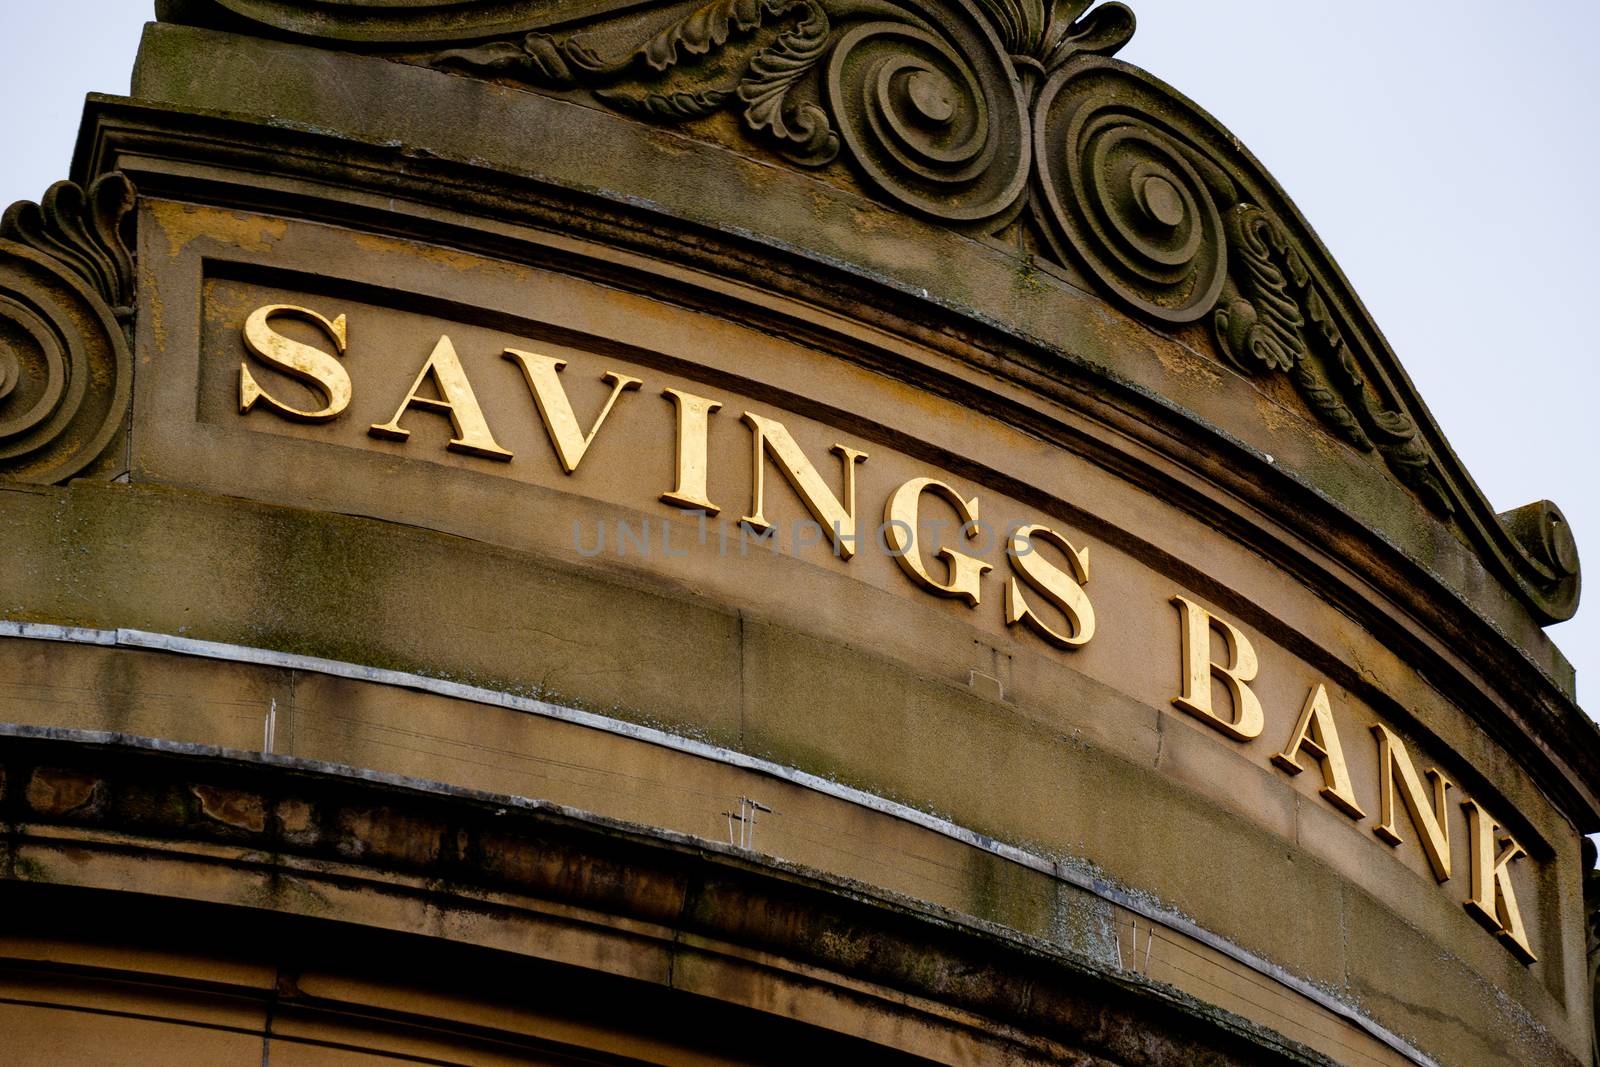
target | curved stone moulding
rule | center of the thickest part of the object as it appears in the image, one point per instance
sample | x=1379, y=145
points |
x=973, y=115
x=550, y=890
x=66, y=287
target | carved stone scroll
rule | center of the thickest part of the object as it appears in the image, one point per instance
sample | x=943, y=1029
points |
x=1549, y=555
x=1124, y=192
x=66, y=287
x=934, y=126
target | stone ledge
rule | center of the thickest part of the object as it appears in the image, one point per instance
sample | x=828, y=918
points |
x=603, y=896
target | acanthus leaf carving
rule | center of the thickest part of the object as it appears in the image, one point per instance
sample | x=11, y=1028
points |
x=773, y=71
x=1048, y=33
x=83, y=231
x=66, y=295
x=801, y=130
x=537, y=59
x=1279, y=321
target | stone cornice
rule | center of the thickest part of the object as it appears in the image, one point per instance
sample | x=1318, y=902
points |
x=606, y=889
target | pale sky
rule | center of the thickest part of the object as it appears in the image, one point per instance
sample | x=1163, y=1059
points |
x=1444, y=150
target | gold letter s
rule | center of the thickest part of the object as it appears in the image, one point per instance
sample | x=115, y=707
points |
x=1064, y=591
x=311, y=366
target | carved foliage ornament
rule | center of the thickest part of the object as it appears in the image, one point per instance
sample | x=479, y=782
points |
x=66, y=290
x=978, y=113
x=760, y=90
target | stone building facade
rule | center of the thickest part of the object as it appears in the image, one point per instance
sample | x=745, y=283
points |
x=755, y=532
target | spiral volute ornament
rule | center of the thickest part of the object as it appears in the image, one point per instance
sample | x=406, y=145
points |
x=1550, y=568
x=1122, y=193
x=65, y=369
x=933, y=124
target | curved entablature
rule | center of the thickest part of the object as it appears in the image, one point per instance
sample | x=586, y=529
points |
x=1008, y=120
x=903, y=428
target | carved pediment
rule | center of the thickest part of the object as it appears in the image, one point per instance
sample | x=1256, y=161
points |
x=992, y=117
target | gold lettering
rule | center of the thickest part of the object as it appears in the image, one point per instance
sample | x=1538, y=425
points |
x=694, y=429
x=312, y=366
x=556, y=410
x=1433, y=822
x=838, y=519
x=456, y=399
x=900, y=519
x=1493, y=902
x=1317, y=735
x=1199, y=667
x=1064, y=592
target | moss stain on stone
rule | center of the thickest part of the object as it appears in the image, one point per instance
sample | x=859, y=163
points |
x=29, y=870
